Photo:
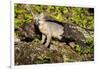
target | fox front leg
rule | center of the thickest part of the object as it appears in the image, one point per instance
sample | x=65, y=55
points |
x=48, y=40
x=43, y=38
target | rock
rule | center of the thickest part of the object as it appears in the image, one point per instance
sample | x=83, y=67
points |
x=35, y=53
x=27, y=32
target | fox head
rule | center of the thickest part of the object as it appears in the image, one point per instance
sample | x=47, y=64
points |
x=38, y=18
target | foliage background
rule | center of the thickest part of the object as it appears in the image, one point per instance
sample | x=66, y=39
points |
x=84, y=17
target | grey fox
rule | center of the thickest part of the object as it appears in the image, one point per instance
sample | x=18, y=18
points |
x=51, y=28
x=48, y=29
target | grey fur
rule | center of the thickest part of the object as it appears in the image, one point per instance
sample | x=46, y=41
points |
x=52, y=28
x=48, y=29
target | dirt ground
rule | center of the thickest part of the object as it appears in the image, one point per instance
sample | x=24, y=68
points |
x=36, y=53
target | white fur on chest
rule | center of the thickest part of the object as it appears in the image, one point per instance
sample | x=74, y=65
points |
x=43, y=27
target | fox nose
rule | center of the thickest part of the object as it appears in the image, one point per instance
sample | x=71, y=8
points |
x=37, y=22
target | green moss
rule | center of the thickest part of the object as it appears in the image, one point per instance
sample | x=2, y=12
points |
x=81, y=16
